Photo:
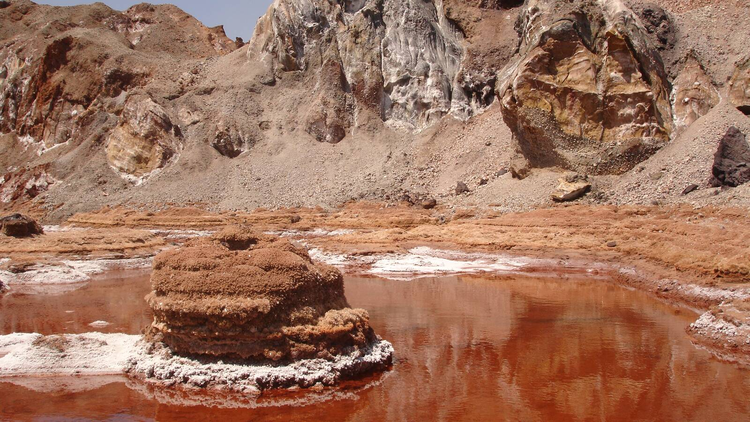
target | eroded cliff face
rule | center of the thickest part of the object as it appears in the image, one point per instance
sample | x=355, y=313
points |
x=65, y=74
x=588, y=91
x=693, y=93
x=400, y=59
x=413, y=95
x=739, y=87
x=144, y=140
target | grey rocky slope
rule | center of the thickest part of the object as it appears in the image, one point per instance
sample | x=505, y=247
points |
x=342, y=100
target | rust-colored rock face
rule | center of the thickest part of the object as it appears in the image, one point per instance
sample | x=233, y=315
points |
x=25, y=183
x=241, y=295
x=739, y=93
x=588, y=92
x=144, y=140
x=52, y=77
x=694, y=94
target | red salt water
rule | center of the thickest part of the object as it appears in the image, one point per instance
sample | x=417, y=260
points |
x=116, y=299
x=467, y=348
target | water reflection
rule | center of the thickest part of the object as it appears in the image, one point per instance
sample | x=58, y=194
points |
x=116, y=299
x=497, y=348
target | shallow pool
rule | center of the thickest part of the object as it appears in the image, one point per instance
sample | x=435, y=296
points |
x=467, y=348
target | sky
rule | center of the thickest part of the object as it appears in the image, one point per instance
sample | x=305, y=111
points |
x=237, y=16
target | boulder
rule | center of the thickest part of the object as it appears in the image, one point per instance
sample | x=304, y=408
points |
x=690, y=189
x=18, y=225
x=461, y=188
x=732, y=160
x=241, y=295
x=571, y=188
x=429, y=203
x=587, y=92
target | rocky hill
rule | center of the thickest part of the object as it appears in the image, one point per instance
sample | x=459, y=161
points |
x=332, y=101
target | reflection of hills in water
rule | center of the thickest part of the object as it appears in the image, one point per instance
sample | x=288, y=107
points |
x=542, y=349
x=538, y=348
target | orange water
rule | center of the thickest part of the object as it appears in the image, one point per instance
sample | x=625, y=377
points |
x=467, y=348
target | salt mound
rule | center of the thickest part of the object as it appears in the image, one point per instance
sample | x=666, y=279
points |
x=245, y=297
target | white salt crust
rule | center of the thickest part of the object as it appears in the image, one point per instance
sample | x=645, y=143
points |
x=111, y=354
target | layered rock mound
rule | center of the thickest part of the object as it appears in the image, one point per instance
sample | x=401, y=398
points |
x=588, y=91
x=246, y=297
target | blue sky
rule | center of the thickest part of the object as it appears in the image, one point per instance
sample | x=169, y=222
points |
x=237, y=16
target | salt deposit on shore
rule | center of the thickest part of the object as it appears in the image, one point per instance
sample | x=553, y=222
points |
x=424, y=261
x=60, y=355
x=110, y=354
x=159, y=365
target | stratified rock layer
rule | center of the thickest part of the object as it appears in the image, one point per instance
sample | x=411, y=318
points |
x=588, y=92
x=144, y=140
x=255, y=298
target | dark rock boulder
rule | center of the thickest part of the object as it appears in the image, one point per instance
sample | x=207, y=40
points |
x=690, y=189
x=18, y=225
x=461, y=188
x=732, y=160
x=429, y=203
x=658, y=23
